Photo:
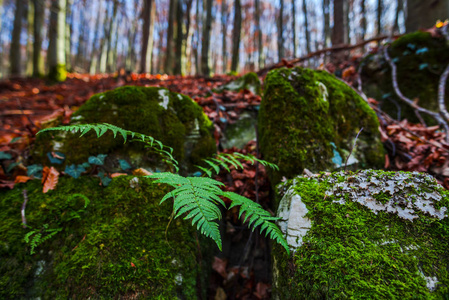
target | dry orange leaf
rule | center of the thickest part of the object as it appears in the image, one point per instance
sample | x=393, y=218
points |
x=142, y=172
x=113, y=175
x=22, y=179
x=50, y=178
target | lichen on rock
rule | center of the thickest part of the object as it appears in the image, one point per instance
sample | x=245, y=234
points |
x=119, y=247
x=309, y=119
x=364, y=235
x=174, y=119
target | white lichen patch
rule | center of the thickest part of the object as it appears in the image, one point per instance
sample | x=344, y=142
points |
x=165, y=98
x=323, y=90
x=293, y=221
x=403, y=194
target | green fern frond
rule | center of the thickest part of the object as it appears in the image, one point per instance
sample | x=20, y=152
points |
x=101, y=128
x=257, y=216
x=224, y=160
x=198, y=199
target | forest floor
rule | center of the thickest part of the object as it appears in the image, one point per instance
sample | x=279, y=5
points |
x=242, y=270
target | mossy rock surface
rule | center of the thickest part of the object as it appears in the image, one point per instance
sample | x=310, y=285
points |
x=117, y=247
x=249, y=81
x=420, y=60
x=365, y=235
x=309, y=119
x=174, y=119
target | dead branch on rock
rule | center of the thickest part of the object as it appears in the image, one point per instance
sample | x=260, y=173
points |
x=337, y=48
x=415, y=106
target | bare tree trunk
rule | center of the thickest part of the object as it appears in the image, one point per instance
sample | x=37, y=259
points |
x=30, y=18
x=399, y=8
x=68, y=35
x=187, y=46
x=306, y=25
x=281, y=30
x=170, y=52
x=339, y=30
x=38, y=62
x=180, y=46
x=207, y=26
x=112, y=33
x=96, y=50
x=104, y=41
x=327, y=27
x=15, y=56
x=56, y=47
x=294, y=26
x=259, y=36
x=224, y=21
x=236, y=35
x=80, y=54
x=149, y=12
x=363, y=21
x=379, y=17
x=197, y=38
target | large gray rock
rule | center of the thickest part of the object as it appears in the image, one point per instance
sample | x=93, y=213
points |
x=365, y=235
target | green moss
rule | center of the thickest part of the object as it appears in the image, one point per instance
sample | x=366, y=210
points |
x=352, y=253
x=174, y=119
x=58, y=73
x=302, y=111
x=249, y=81
x=420, y=60
x=92, y=256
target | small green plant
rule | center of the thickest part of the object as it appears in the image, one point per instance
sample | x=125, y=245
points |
x=197, y=197
x=38, y=236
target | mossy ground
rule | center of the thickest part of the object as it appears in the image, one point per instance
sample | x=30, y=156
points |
x=296, y=125
x=137, y=109
x=352, y=253
x=420, y=60
x=92, y=256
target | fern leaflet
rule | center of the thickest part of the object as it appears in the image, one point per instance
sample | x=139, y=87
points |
x=198, y=197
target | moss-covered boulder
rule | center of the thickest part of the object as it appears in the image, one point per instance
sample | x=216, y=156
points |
x=309, y=119
x=109, y=243
x=174, y=119
x=365, y=235
x=420, y=60
x=250, y=81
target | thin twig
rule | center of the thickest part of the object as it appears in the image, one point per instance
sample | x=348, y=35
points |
x=352, y=149
x=435, y=115
x=22, y=211
x=441, y=90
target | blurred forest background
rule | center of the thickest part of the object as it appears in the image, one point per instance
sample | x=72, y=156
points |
x=190, y=37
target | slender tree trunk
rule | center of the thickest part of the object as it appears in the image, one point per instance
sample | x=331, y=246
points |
x=207, y=26
x=339, y=32
x=170, y=52
x=104, y=42
x=399, y=8
x=379, y=17
x=327, y=27
x=95, y=51
x=363, y=21
x=56, y=47
x=294, y=27
x=112, y=33
x=15, y=56
x=197, y=37
x=147, y=36
x=281, y=30
x=80, y=54
x=306, y=25
x=224, y=19
x=187, y=46
x=30, y=17
x=259, y=48
x=38, y=61
x=68, y=35
x=180, y=40
x=236, y=35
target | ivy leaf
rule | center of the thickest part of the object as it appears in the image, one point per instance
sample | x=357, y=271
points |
x=97, y=160
x=4, y=155
x=56, y=157
x=12, y=166
x=74, y=171
x=124, y=165
x=34, y=170
x=423, y=66
x=422, y=50
x=105, y=180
